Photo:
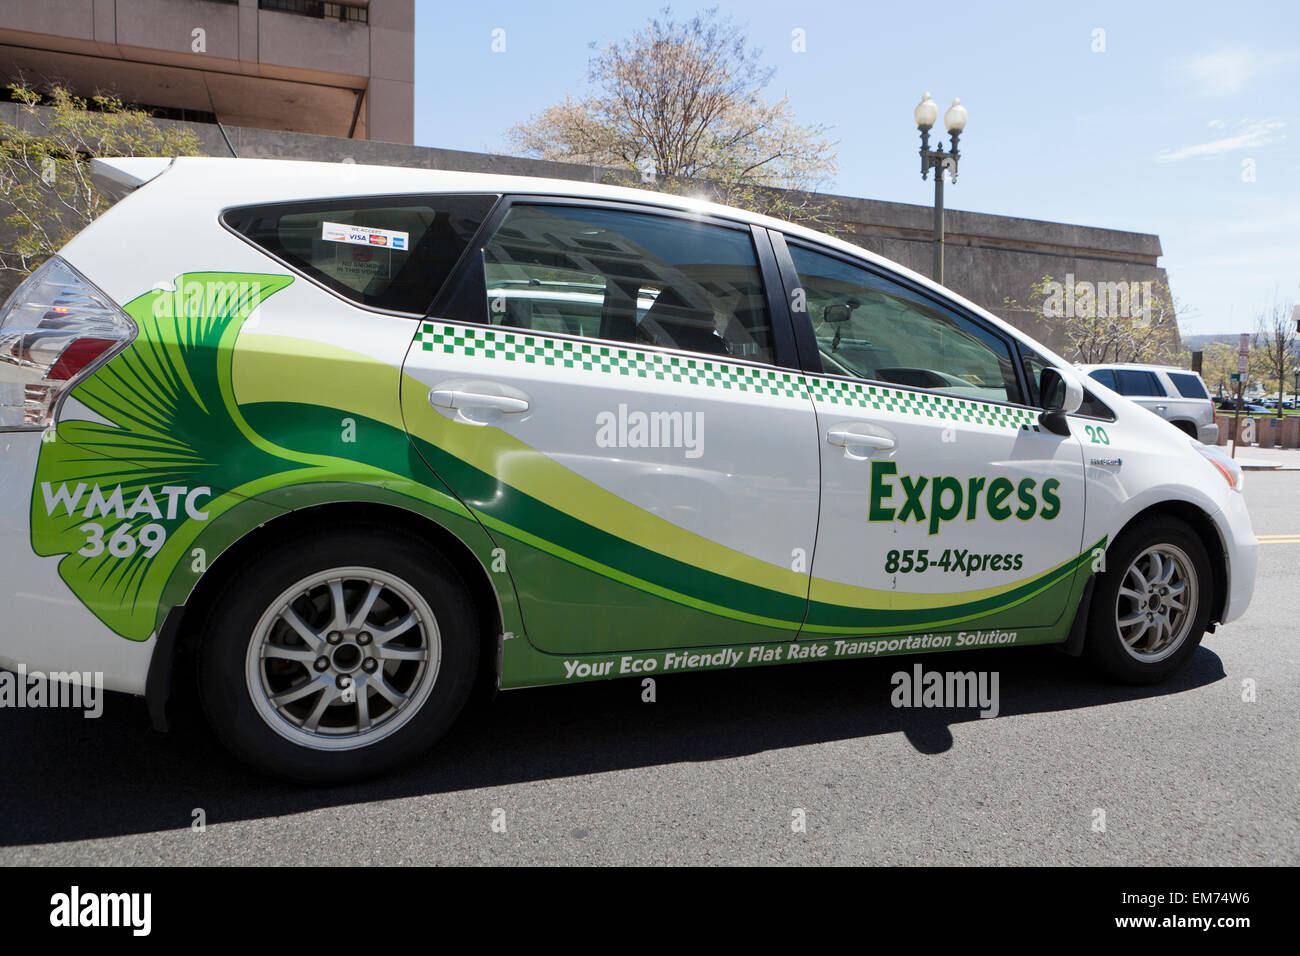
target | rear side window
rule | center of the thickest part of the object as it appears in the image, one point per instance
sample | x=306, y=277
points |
x=1135, y=382
x=1188, y=384
x=391, y=252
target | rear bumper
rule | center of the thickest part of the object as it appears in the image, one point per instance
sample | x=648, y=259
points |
x=42, y=623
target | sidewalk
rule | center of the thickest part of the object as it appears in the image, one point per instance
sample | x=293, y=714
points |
x=1253, y=458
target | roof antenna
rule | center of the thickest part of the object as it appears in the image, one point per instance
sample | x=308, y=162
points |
x=227, y=139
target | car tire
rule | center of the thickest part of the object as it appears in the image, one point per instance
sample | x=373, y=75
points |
x=302, y=690
x=1151, y=604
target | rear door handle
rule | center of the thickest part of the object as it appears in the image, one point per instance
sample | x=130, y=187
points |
x=463, y=398
x=845, y=438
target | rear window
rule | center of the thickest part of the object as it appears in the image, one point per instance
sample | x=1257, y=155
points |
x=391, y=252
x=1189, y=385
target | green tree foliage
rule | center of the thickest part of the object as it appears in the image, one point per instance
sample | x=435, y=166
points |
x=46, y=193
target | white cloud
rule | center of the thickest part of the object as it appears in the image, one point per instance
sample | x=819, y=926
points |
x=1246, y=134
x=1229, y=72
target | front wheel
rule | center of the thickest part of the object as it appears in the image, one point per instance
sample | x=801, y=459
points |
x=336, y=657
x=1152, y=603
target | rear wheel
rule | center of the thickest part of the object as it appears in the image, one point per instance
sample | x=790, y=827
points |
x=1151, y=604
x=336, y=657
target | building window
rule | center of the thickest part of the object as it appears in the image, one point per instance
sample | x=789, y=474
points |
x=321, y=10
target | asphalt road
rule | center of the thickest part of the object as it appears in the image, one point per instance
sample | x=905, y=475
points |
x=713, y=772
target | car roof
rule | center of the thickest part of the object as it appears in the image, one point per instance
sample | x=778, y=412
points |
x=1141, y=366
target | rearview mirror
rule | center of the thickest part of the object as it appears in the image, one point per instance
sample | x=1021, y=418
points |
x=836, y=313
x=1060, y=394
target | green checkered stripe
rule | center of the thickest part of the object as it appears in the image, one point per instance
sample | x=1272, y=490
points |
x=608, y=359
x=944, y=407
x=611, y=360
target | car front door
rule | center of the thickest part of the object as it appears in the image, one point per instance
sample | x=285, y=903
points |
x=603, y=387
x=949, y=514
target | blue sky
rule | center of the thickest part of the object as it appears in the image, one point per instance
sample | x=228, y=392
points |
x=1149, y=135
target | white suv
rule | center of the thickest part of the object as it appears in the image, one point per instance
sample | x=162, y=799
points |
x=1175, y=394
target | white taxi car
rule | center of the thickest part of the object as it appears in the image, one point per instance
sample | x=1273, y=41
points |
x=349, y=439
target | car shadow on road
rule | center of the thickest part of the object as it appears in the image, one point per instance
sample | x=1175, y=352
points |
x=67, y=778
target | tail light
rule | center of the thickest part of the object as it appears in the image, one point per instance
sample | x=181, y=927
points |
x=55, y=329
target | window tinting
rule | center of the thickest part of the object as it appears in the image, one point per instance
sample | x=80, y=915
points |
x=872, y=328
x=629, y=277
x=1188, y=385
x=1106, y=377
x=389, y=253
x=1135, y=382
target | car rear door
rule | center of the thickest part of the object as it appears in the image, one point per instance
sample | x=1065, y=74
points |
x=604, y=388
x=946, y=507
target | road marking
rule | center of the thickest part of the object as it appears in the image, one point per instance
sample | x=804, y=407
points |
x=1279, y=538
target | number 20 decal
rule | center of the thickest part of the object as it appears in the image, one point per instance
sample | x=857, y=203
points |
x=1097, y=435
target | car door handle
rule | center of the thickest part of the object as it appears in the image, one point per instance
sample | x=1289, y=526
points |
x=844, y=438
x=462, y=398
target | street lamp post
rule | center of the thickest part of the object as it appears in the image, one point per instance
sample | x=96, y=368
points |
x=926, y=112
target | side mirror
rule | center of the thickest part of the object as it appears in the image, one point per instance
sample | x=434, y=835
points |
x=1061, y=395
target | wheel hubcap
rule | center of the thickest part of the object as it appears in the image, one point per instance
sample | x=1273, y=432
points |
x=1157, y=602
x=343, y=658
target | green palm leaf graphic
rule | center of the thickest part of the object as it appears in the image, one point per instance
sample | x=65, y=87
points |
x=175, y=429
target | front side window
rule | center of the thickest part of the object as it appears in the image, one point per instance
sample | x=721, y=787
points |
x=1090, y=407
x=388, y=253
x=628, y=277
x=869, y=327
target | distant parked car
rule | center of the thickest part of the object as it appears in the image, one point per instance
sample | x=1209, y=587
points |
x=1175, y=394
x=1229, y=405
